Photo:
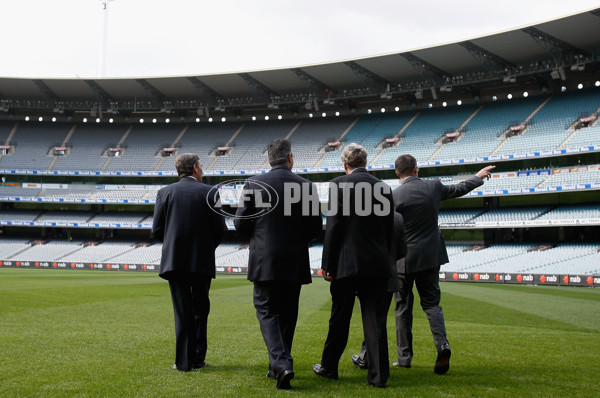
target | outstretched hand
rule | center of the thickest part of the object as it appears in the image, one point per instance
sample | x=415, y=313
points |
x=485, y=172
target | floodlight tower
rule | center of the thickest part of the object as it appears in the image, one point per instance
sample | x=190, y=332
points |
x=101, y=66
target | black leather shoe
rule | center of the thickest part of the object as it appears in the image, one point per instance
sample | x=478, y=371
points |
x=321, y=371
x=283, y=380
x=442, y=363
x=401, y=365
x=375, y=385
x=358, y=362
x=175, y=368
x=199, y=365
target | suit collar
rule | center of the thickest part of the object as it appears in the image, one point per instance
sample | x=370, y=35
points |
x=359, y=170
x=188, y=179
x=281, y=166
x=409, y=179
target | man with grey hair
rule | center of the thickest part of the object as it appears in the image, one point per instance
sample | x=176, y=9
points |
x=271, y=214
x=356, y=260
x=190, y=231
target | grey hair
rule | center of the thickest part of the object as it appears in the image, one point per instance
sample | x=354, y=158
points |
x=354, y=155
x=278, y=151
x=184, y=164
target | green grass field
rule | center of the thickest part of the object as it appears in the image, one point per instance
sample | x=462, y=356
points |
x=110, y=334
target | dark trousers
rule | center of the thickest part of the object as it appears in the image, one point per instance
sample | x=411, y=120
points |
x=363, y=347
x=427, y=283
x=191, y=306
x=276, y=304
x=374, y=303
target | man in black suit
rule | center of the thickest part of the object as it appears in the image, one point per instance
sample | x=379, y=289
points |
x=190, y=231
x=356, y=260
x=418, y=201
x=397, y=261
x=279, y=211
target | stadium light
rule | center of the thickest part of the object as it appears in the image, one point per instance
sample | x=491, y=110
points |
x=85, y=119
x=54, y=119
x=580, y=86
x=509, y=96
x=197, y=120
x=110, y=120
x=167, y=120
x=279, y=117
x=444, y=104
x=310, y=115
x=141, y=120
x=253, y=118
x=597, y=84
x=382, y=110
x=563, y=89
x=494, y=98
x=430, y=105
x=525, y=94
x=323, y=114
x=223, y=119
x=41, y=119
x=26, y=118
x=397, y=108
x=154, y=120
x=337, y=113
x=369, y=111
x=97, y=120
x=210, y=119
x=459, y=102
x=267, y=117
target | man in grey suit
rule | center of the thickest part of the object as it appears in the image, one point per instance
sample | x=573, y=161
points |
x=190, y=231
x=279, y=211
x=418, y=201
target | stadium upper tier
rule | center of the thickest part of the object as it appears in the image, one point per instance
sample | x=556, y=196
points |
x=500, y=130
x=577, y=178
x=507, y=217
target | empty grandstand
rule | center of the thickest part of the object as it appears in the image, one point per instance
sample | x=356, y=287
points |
x=81, y=161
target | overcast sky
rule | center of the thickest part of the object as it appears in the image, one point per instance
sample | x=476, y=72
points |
x=145, y=38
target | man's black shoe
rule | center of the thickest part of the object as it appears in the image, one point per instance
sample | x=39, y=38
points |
x=399, y=365
x=199, y=365
x=283, y=380
x=375, y=385
x=321, y=371
x=442, y=363
x=175, y=368
x=358, y=362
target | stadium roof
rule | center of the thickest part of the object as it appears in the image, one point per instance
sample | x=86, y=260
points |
x=546, y=51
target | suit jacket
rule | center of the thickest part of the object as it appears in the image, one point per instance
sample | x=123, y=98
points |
x=357, y=243
x=419, y=201
x=189, y=229
x=279, y=242
x=398, y=253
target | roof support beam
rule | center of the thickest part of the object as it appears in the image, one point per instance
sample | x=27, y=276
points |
x=557, y=48
x=158, y=97
x=311, y=82
x=49, y=96
x=208, y=95
x=369, y=78
x=101, y=94
x=257, y=86
x=429, y=71
x=488, y=60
